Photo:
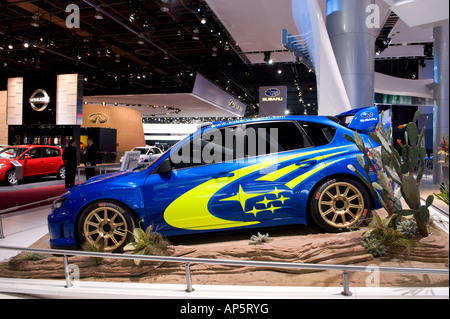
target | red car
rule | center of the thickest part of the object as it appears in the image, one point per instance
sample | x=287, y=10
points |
x=36, y=160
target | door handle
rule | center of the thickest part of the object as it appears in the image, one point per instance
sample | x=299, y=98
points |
x=306, y=163
x=222, y=175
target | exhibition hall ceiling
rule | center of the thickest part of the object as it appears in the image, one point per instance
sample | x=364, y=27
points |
x=132, y=47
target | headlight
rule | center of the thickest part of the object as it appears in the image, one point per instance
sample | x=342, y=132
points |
x=58, y=203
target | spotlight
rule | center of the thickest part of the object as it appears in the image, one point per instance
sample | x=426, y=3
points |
x=117, y=60
x=10, y=46
x=203, y=20
x=280, y=71
x=164, y=6
x=267, y=57
x=196, y=36
x=98, y=15
x=35, y=22
x=140, y=41
x=26, y=45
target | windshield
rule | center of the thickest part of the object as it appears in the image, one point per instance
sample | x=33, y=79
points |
x=11, y=152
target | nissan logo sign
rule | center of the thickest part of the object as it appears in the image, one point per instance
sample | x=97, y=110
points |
x=39, y=100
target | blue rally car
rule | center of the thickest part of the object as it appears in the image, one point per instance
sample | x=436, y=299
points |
x=249, y=173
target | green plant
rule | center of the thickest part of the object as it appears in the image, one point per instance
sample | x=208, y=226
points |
x=94, y=247
x=444, y=194
x=147, y=243
x=382, y=234
x=259, y=239
x=392, y=166
x=443, y=147
x=375, y=246
x=14, y=263
x=407, y=227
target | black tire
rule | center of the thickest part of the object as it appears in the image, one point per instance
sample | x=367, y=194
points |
x=11, y=178
x=61, y=173
x=339, y=204
x=106, y=224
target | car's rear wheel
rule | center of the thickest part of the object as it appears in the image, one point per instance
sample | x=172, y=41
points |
x=339, y=204
x=106, y=225
x=11, y=178
x=61, y=172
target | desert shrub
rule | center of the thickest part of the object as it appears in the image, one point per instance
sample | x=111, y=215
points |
x=148, y=243
x=259, y=239
x=407, y=227
x=383, y=234
x=94, y=247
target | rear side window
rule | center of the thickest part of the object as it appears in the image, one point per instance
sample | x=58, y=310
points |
x=51, y=152
x=279, y=137
x=319, y=134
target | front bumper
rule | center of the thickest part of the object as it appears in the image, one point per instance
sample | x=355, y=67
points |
x=61, y=227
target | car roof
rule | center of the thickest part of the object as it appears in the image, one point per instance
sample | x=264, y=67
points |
x=306, y=118
x=34, y=146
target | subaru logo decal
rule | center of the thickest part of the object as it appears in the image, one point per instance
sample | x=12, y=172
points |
x=272, y=92
x=366, y=115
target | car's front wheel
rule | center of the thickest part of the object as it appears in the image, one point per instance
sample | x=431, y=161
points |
x=107, y=225
x=11, y=178
x=339, y=204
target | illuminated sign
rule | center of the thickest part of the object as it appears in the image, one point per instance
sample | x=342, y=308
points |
x=39, y=100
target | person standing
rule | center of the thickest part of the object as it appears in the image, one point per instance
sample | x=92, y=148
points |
x=70, y=163
x=90, y=158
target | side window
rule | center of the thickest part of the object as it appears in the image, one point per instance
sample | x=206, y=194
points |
x=274, y=137
x=211, y=147
x=51, y=152
x=34, y=153
x=319, y=134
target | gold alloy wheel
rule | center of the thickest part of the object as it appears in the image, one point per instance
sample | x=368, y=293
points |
x=106, y=227
x=341, y=205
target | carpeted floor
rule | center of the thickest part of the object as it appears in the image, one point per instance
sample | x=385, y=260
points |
x=28, y=196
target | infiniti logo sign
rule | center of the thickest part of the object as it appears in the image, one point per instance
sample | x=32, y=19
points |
x=98, y=118
x=39, y=100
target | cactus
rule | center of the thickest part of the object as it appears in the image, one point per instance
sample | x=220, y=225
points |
x=391, y=167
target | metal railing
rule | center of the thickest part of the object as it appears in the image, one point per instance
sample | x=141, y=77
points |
x=244, y=263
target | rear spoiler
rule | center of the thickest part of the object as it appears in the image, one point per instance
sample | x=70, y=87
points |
x=364, y=119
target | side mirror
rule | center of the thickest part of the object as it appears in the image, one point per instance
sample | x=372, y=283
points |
x=27, y=157
x=165, y=166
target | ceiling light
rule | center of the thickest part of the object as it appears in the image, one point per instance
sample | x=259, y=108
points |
x=280, y=71
x=195, y=36
x=98, y=16
x=117, y=60
x=140, y=41
x=164, y=6
x=35, y=22
x=10, y=46
x=203, y=20
x=267, y=57
x=26, y=45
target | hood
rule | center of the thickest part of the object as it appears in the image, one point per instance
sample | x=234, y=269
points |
x=104, y=180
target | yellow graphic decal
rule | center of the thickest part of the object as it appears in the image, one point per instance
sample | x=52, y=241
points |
x=296, y=181
x=191, y=209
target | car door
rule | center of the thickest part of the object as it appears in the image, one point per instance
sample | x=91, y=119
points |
x=191, y=196
x=51, y=160
x=32, y=162
x=275, y=179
